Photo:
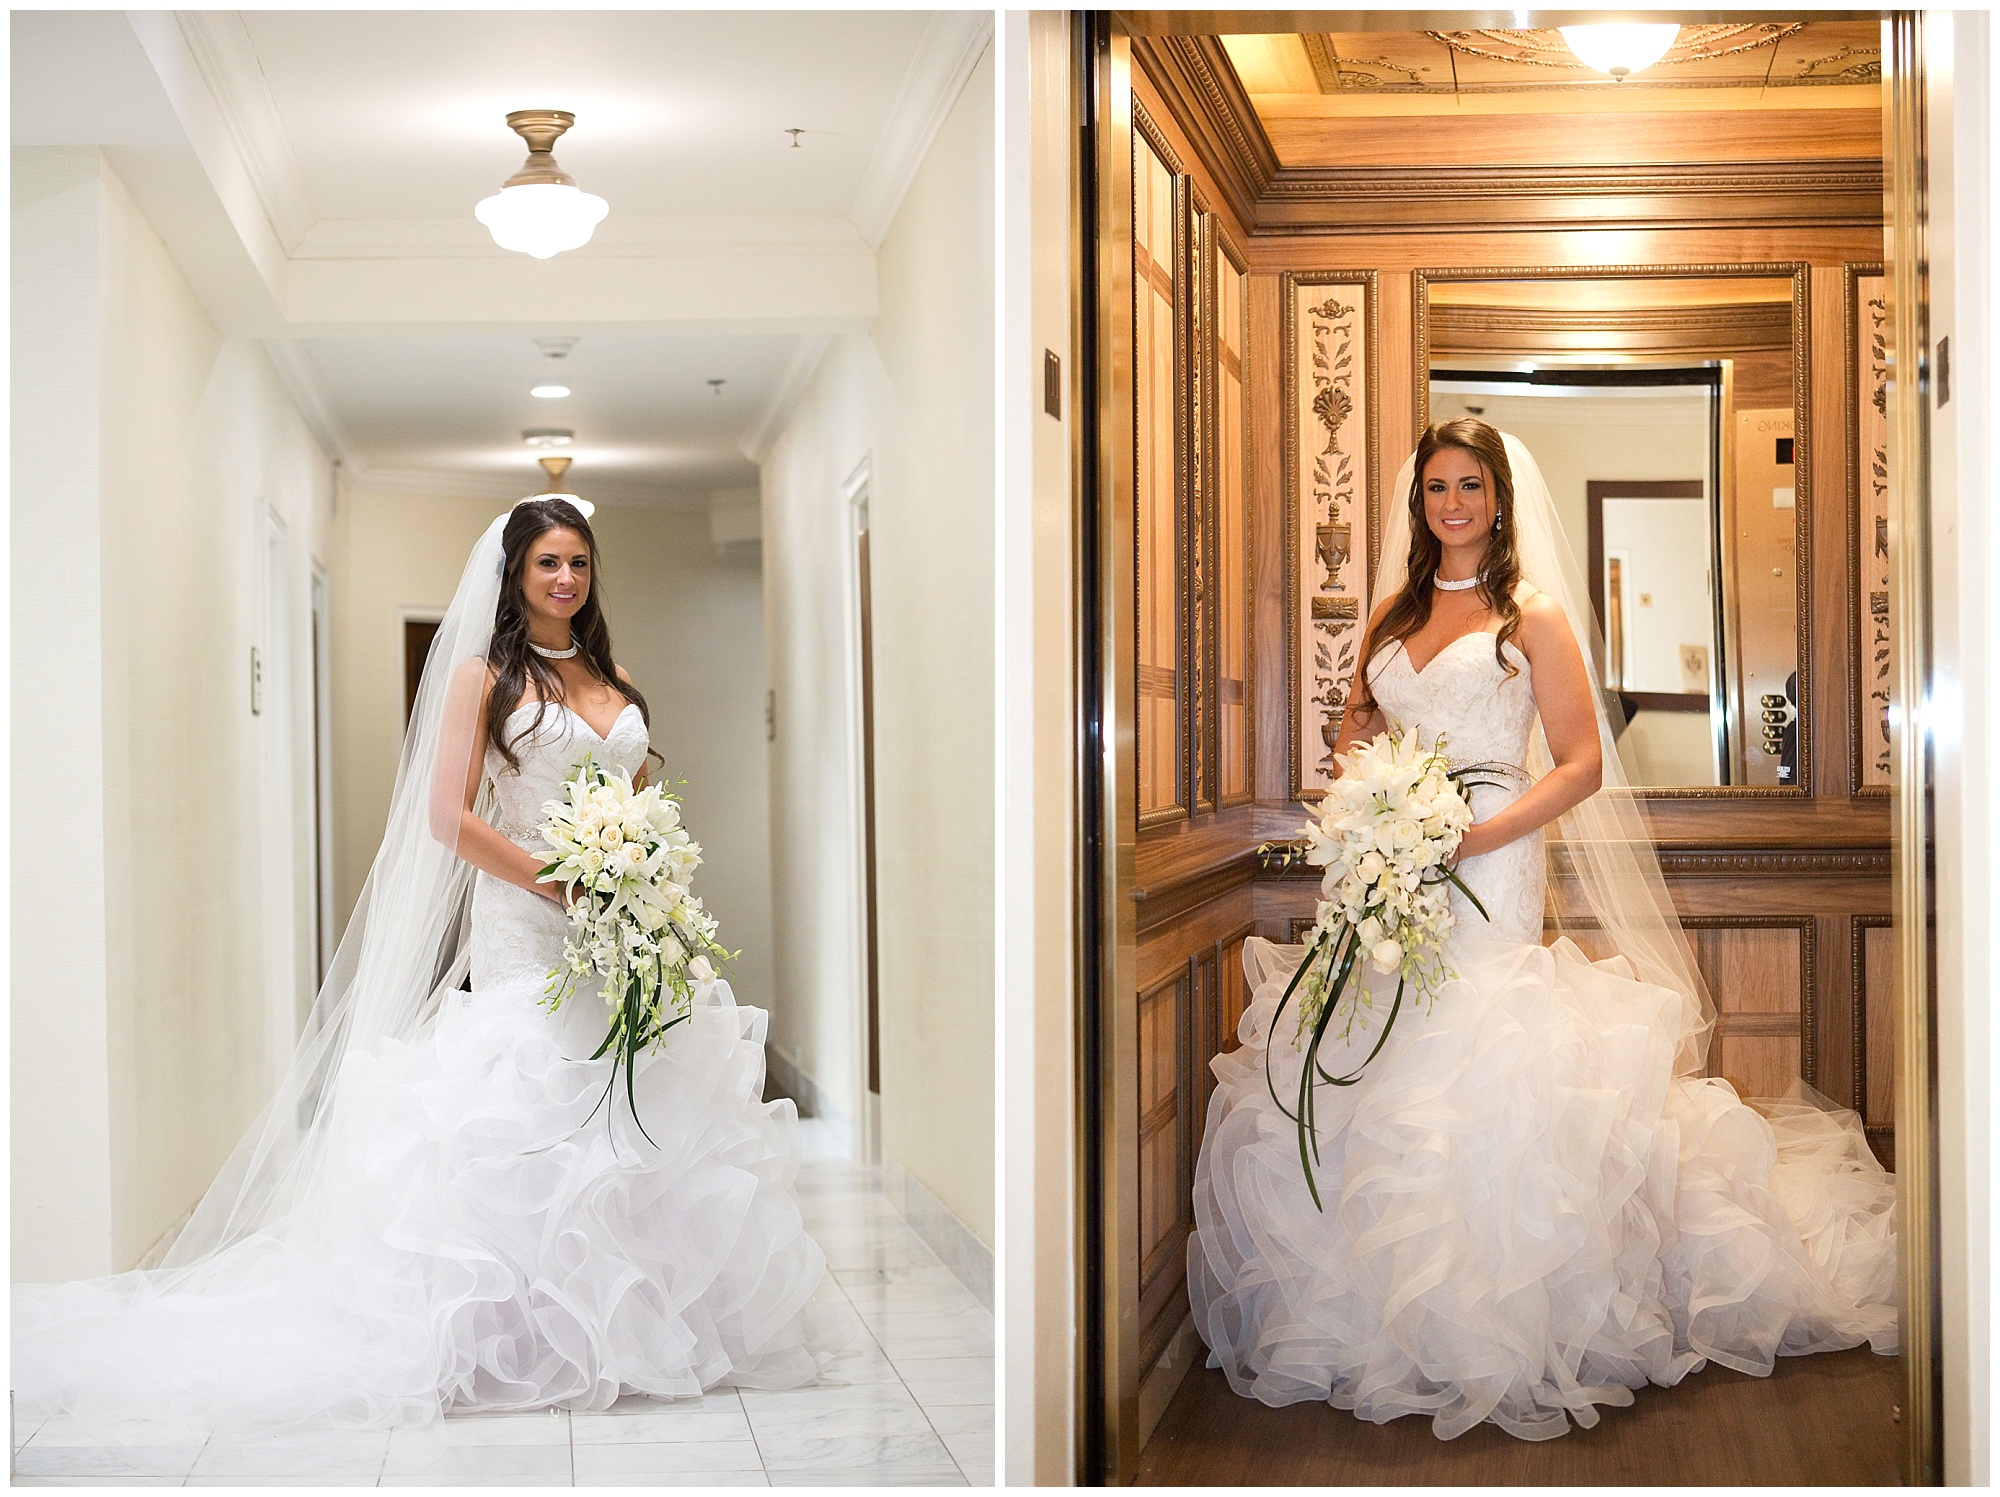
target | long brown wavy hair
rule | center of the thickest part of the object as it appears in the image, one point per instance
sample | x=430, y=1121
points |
x=1499, y=569
x=513, y=662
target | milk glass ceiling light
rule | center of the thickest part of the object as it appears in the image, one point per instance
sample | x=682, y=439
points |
x=555, y=467
x=1620, y=49
x=540, y=210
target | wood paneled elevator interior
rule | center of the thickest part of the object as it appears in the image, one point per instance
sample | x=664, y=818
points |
x=1309, y=242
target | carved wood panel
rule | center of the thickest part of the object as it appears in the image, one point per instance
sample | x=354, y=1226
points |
x=1330, y=511
x=1866, y=319
x=1761, y=974
x=1235, y=711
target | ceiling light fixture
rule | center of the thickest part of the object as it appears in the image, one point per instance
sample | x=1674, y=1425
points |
x=549, y=392
x=1620, y=48
x=555, y=467
x=540, y=210
x=548, y=436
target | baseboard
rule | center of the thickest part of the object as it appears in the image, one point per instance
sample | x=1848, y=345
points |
x=785, y=1077
x=164, y=1243
x=958, y=1247
x=1162, y=1381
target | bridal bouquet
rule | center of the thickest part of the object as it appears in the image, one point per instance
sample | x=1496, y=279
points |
x=625, y=860
x=1385, y=833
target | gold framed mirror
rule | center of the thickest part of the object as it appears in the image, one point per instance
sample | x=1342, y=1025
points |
x=1669, y=408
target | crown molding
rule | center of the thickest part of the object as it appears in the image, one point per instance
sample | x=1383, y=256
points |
x=1206, y=102
x=227, y=63
x=622, y=236
x=951, y=48
x=791, y=389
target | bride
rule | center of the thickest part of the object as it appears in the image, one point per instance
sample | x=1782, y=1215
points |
x=1534, y=1200
x=435, y=1214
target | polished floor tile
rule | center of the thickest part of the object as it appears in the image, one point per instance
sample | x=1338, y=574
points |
x=905, y=1398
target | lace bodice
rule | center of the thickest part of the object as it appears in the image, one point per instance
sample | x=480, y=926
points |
x=550, y=756
x=1485, y=716
x=1483, y=713
x=518, y=935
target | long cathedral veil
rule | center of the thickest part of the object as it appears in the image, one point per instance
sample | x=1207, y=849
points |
x=405, y=944
x=1604, y=875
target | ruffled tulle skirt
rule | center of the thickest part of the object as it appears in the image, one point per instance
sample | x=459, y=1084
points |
x=475, y=1239
x=1527, y=1214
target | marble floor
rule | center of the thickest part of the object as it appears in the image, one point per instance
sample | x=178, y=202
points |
x=908, y=1402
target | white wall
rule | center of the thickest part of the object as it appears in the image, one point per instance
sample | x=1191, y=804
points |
x=1037, y=768
x=914, y=401
x=1965, y=554
x=685, y=623
x=148, y=452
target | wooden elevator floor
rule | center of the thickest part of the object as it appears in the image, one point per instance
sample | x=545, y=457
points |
x=1816, y=1421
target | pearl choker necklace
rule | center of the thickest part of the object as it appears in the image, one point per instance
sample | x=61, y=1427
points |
x=566, y=654
x=1439, y=582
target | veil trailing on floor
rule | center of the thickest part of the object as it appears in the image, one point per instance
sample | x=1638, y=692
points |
x=404, y=947
x=1604, y=881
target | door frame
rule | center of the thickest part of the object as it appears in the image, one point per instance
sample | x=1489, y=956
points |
x=865, y=1103
x=1914, y=750
x=1107, y=1375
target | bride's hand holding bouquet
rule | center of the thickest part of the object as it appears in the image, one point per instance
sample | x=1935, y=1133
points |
x=1388, y=832
x=624, y=863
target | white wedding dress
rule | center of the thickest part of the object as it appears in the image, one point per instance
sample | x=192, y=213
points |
x=476, y=1239
x=1528, y=1213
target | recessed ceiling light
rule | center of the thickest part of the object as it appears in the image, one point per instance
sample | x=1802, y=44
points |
x=549, y=392
x=548, y=436
x=540, y=210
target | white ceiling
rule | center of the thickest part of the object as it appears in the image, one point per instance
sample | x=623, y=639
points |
x=401, y=114
x=648, y=427
x=314, y=174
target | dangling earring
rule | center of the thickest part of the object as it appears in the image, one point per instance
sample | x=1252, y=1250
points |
x=1496, y=519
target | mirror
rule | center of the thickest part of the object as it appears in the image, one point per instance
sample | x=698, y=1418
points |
x=1662, y=409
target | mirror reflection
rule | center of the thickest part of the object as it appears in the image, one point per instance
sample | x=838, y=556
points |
x=1661, y=411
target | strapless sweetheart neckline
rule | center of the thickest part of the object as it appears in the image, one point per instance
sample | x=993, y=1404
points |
x=1446, y=648
x=565, y=707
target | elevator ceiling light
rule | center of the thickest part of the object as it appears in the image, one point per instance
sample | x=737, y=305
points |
x=555, y=467
x=549, y=392
x=540, y=210
x=1620, y=49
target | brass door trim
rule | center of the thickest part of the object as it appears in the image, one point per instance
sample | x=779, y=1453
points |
x=1799, y=272
x=1905, y=165
x=1107, y=1306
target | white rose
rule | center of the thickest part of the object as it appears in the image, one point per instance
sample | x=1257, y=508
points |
x=1370, y=867
x=1385, y=956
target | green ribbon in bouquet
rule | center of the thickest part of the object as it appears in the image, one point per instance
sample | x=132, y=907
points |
x=1337, y=948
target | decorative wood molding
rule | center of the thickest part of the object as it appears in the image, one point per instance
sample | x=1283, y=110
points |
x=1143, y=125
x=1680, y=863
x=1799, y=272
x=1342, y=500
x=1858, y=927
x=1200, y=90
x=1228, y=249
x=1807, y=1028
x=1146, y=135
x=1867, y=582
x=1197, y=421
x=1478, y=330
